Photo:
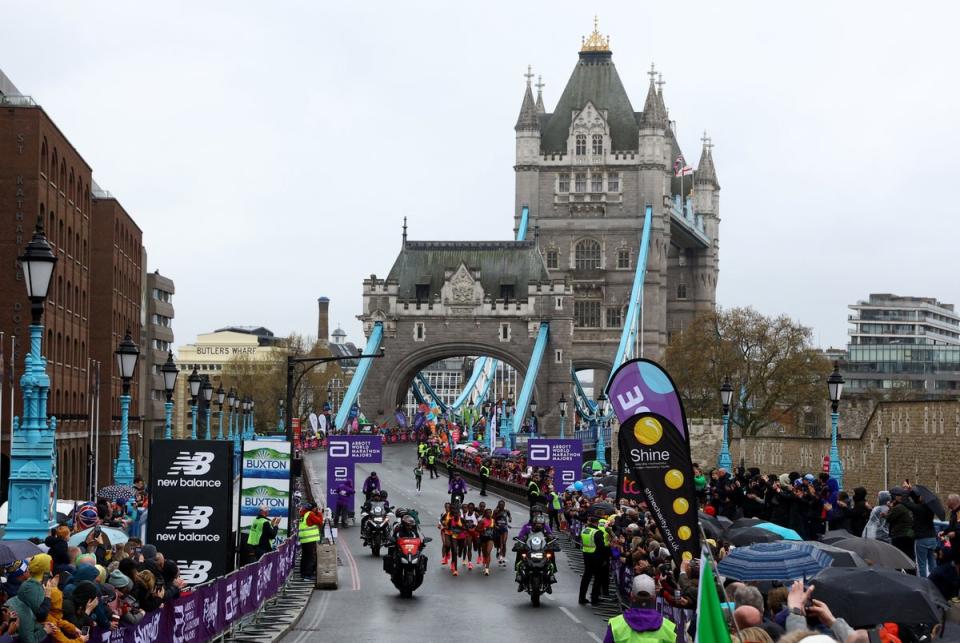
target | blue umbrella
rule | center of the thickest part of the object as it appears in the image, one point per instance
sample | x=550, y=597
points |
x=774, y=561
x=788, y=534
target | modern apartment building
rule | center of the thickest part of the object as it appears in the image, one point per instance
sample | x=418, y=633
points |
x=900, y=342
x=158, y=341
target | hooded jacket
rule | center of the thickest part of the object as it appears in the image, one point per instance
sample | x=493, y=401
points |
x=860, y=512
x=647, y=623
x=67, y=631
x=26, y=604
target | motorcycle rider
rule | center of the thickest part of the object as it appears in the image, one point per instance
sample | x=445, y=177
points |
x=538, y=524
x=370, y=484
x=457, y=488
x=375, y=496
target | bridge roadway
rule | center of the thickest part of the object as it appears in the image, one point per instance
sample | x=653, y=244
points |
x=467, y=608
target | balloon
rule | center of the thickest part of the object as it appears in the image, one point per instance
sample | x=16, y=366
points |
x=578, y=485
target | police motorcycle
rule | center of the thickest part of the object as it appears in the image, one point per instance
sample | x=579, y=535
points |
x=536, y=564
x=406, y=561
x=376, y=526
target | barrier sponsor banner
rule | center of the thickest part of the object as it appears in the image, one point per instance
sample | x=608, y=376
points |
x=209, y=610
x=655, y=450
x=265, y=481
x=565, y=456
x=345, y=451
x=191, y=505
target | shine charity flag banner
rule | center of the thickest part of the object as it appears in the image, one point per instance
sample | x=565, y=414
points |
x=711, y=626
x=655, y=449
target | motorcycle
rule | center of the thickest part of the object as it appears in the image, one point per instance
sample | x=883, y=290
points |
x=408, y=564
x=536, y=564
x=376, y=527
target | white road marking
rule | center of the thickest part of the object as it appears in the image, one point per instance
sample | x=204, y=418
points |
x=570, y=615
x=594, y=637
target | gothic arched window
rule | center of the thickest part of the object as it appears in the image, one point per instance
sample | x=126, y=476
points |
x=553, y=258
x=598, y=144
x=581, y=144
x=587, y=255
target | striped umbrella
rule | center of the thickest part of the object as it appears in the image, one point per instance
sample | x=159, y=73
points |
x=781, y=560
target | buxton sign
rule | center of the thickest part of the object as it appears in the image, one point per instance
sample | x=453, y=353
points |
x=191, y=505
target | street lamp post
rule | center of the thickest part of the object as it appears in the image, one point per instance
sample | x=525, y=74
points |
x=194, y=382
x=127, y=355
x=231, y=396
x=562, y=404
x=220, y=395
x=32, y=462
x=170, y=372
x=485, y=410
x=726, y=393
x=237, y=403
x=835, y=385
x=280, y=408
x=207, y=396
x=601, y=421
x=252, y=432
x=533, y=417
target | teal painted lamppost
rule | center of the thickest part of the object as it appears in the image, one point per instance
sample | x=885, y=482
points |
x=207, y=390
x=249, y=435
x=562, y=404
x=170, y=372
x=724, y=461
x=194, y=382
x=220, y=395
x=231, y=396
x=601, y=424
x=835, y=384
x=236, y=432
x=32, y=464
x=127, y=355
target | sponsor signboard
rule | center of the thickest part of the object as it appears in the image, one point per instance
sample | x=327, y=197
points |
x=265, y=481
x=343, y=452
x=565, y=456
x=191, y=497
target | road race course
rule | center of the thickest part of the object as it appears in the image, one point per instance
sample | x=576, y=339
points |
x=471, y=607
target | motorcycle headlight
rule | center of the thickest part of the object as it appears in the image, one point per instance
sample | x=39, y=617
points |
x=536, y=555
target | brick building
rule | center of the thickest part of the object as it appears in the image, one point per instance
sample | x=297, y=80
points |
x=117, y=278
x=157, y=340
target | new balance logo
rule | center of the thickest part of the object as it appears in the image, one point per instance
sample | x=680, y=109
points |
x=194, y=572
x=339, y=449
x=193, y=518
x=539, y=451
x=195, y=463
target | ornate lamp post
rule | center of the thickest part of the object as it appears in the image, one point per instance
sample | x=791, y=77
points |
x=835, y=385
x=236, y=432
x=32, y=462
x=170, y=373
x=220, y=395
x=250, y=430
x=280, y=411
x=508, y=411
x=127, y=355
x=231, y=396
x=726, y=392
x=562, y=405
x=533, y=416
x=601, y=422
x=194, y=382
x=207, y=390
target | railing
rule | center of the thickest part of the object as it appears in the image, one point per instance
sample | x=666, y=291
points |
x=18, y=101
x=213, y=608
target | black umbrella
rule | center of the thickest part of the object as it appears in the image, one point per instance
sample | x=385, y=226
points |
x=841, y=557
x=740, y=523
x=602, y=508
x=712, y=527
x=877, y=553
x=607, y=481
x=866, y=596
x=117, y=492
x=834, y=535
x=11, y=550
x=749, y=535
x=930, y=499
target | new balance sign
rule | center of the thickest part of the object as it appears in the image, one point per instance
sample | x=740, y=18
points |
x=191, y=497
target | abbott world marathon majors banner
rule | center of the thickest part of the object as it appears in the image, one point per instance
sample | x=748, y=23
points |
x=655, y=449
x=343, y=452
x=265, y=482
x=191, y=506
x=565, y=456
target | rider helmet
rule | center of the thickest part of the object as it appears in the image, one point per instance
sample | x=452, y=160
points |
x=409, y=522
x=538, y=523
x=375, y=494
x=383, y=495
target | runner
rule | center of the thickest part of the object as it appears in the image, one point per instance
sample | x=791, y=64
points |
x=470, y=541
x=502, y=520
x=456, y=533
x=485, y=529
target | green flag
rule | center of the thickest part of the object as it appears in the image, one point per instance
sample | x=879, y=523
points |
x=711, y=626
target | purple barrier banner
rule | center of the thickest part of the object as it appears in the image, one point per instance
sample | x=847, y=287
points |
x=343, y=452
x=565, y=456
x=210, y=609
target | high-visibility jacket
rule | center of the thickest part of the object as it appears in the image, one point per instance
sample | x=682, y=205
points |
x=623, y=633
x=586, y=538
x=431, y=459
x=484, y=471
x=256, y=531
x=308, y=533
x=533, y=489
x=555, y=500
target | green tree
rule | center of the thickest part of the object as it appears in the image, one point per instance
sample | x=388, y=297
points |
x=775, y=371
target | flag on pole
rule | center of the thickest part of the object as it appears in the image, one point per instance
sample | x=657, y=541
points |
x=711, y=626
x=680, y=167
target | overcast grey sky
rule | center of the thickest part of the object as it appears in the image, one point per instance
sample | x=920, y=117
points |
x=270, y=151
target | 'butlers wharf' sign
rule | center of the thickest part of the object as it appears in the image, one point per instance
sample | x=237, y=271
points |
x=226, y=350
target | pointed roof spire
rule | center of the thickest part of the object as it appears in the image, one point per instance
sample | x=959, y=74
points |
x=595, y=41
x=540, y=85
x=654, y=114
x=706, y=171
x=527, y=120
x=663, y=107
x=404, y=230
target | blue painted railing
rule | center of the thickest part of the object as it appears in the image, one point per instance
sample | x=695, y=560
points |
x=530, y=377
x=360, y=376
